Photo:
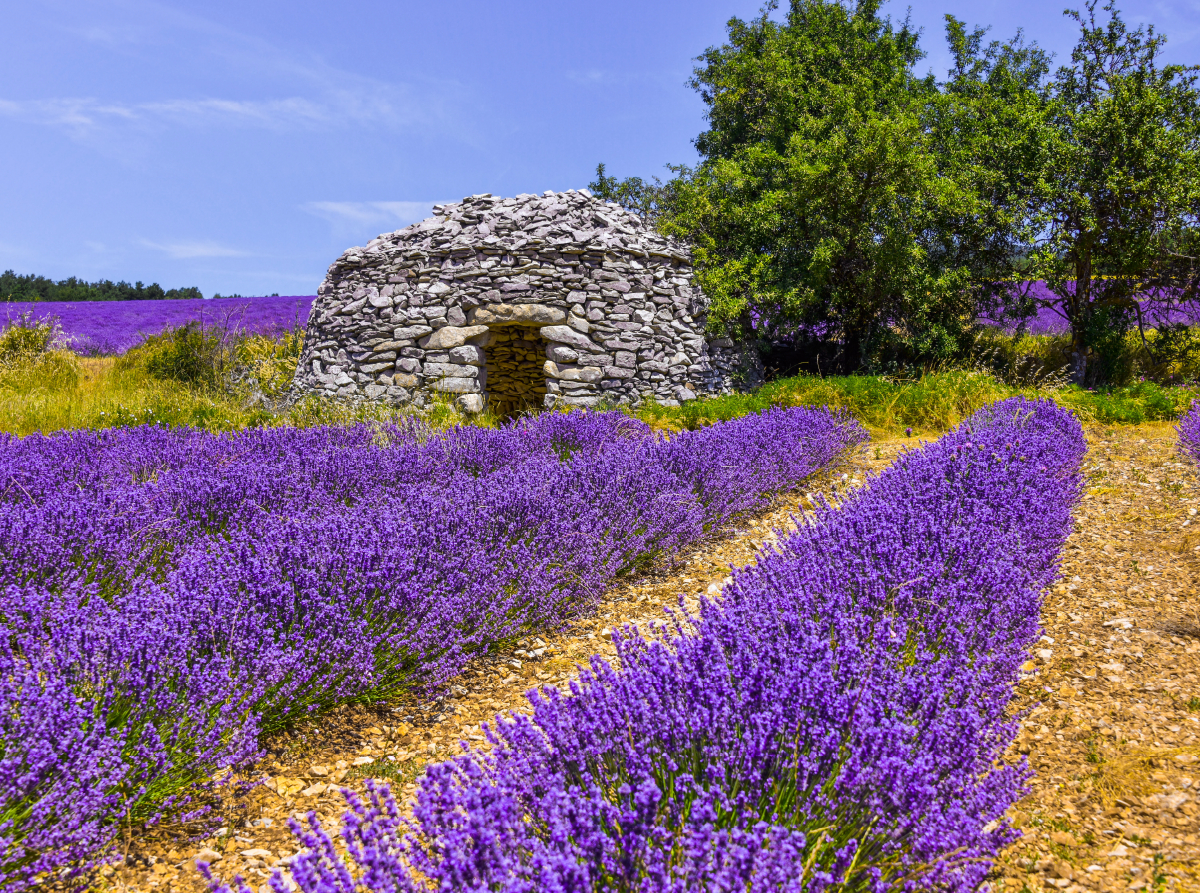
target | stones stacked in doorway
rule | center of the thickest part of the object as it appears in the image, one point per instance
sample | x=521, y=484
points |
x=516, y=378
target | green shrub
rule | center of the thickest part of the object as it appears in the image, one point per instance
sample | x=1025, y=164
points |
x=31, y=359
x=1144, y=401
x=26, y=374
x=263, y=366
x=27, y=337
x=1169, y=354
x=189, y=354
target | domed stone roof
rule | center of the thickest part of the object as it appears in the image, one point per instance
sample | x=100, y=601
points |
x=571, y=218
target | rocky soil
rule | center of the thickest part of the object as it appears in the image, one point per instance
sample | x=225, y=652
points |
x=1111, y=697
x=1113, y=690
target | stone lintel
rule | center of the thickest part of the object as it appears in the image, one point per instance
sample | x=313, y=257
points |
x=516, y=315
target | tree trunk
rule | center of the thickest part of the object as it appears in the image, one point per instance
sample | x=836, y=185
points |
x=1079, y=366
x=1080, y=311
x=851, y=360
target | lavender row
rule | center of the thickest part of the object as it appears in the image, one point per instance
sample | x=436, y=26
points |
x=169, y=596
x=1189, y=433
x=837, y=720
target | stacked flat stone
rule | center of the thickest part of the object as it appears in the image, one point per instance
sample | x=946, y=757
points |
x=529, y=301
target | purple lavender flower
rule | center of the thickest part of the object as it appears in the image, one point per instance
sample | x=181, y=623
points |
x=171, y=595
x=108, y=327
x=1189, y=433
x=838, y=718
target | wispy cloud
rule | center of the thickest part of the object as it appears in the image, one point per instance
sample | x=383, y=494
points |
x=593, y=76
x=296, y=90
x=607, y=77
x=84, y=116
x=193, y=249
x=361, y=215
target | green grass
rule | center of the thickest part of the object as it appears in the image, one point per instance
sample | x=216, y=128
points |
x=1169, y=355
x=44, y=389
x=60, y=391
x=932, y=403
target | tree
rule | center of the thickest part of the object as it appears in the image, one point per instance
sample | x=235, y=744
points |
x=840, y=194
x=30, y=287
x=649, y=200
x=988, y=125
x=1120, y=240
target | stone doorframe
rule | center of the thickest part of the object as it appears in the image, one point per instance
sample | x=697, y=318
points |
x=467, y=377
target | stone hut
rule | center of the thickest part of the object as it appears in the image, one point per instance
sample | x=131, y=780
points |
x=533, y=301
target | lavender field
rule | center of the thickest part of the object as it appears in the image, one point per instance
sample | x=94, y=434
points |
x=1051, y=321
x=172, y=597
x=112, y=327
x=837, y=720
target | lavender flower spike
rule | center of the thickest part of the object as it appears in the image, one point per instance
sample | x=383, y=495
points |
x=170, y=596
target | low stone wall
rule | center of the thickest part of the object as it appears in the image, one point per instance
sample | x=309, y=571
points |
x=433, y=307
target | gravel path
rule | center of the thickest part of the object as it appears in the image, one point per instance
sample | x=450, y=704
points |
x=1113, y=691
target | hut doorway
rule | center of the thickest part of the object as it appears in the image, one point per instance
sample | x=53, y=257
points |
x=516, y=369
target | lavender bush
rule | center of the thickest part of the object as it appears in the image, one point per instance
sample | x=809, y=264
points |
x=837, y=720
x=171, y=595
x=1189, y=433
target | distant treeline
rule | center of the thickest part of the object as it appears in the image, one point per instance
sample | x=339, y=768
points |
x=38, y=288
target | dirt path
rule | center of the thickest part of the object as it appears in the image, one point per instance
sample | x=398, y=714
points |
x=305, y=770
x=1114, y=729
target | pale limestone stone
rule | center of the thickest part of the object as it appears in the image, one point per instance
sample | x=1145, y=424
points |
x=456, y=385
x=450, y=370
x=516, y=314
x=587, y=374
x=411, y=333
x=469, y=355
x=451, y=336
x=567, y=335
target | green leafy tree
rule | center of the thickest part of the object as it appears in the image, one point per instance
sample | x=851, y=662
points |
x=31, y=287
x=839, y=193
x=989, y=127
x=1120, y=239
x=650, y=199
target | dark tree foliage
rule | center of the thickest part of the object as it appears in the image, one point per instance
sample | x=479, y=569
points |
x=648, y=199
x=840, y=194
x=987, y=126
x=1122, y=216
x=31, y=287
x=842, y=199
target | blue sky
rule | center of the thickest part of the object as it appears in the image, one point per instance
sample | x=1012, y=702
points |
x=241, y=146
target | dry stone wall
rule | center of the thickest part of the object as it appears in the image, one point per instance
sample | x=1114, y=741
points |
x=528, y=301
